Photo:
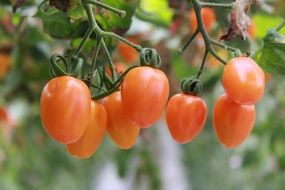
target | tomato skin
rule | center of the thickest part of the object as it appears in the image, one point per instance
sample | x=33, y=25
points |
x=145, y=92
x=93, y=135
x=4, y=64
x=129, y=54
x=232, y=122
x=65, y=108
x=119, y=127
x=208, y=17
x=243, y=80
x=185, y=117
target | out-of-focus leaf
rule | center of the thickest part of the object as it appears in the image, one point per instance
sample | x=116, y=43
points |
x=159, y=9
x=265, y=21
x=272, y=57
x=112, y=22
x=57, y=23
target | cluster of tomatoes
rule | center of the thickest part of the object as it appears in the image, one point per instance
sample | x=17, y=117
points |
x=71, y=117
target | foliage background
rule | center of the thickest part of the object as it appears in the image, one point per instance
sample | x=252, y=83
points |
x=29, y=159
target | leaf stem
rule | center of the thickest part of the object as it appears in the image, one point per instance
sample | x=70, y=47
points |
x=214, y=42
x=189, y=41
x=219, y=5
x=119, y=12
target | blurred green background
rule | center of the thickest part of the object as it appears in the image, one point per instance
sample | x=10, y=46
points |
x=29, y=159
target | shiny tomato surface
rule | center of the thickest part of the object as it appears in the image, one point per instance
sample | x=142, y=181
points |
x=243, y=80
x=232, y=122
x=65, y=107
x=119, y=127
x=185, y=116
x=93, y=135
x=145, y=92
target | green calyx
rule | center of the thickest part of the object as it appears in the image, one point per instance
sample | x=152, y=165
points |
x=191, y=86
x=150, y=57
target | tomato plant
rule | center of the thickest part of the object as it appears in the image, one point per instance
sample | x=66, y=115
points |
x=119, y=127
x=93, y=135
x=185, y=116
x=243, y=80
x=65, y=108
x=145, y=91
x=232, y=122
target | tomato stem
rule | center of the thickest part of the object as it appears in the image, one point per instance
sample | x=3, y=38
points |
x=189, y=41
x=278, y=28
x=214, y=42
x=200, y=71
x=119, y=12
x=218, y=5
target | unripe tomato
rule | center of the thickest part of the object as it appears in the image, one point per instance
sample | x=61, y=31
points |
x=243, y=80
x=129, y=54
x=185, y=116
x=232, y=122
x=208, y=17
x=145, y=91
x=4, y=64
x=119, y=127
x=65, y=108
x=93, y=135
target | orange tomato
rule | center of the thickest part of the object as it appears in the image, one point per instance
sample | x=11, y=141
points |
x=93, y=135
x=232, y=122
x=145, y=91
x=119, y=68
x=129, y=54
x=185, y=116
x=243, y=80
x=119, y=127
x=7, y=123
x=251, y=30
x=65, y=107
x=208, y=17
x=4, y=64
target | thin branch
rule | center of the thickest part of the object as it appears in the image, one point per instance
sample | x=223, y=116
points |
x=188, y=42
x=119, y=12
x=278, y=28
x=218, y=5
x=202, y=65
x=214, y=42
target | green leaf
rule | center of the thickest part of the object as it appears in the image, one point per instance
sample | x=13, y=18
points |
x=111, y=22
x=160, y=9
x=57, y=23
x=272, y=55
x=265, y=21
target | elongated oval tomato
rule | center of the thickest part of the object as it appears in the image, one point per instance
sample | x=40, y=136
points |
x=208, y=17
x=145, y=91
x=119, y=127
x=65, y=108
x=185, y=116
x=243, y=80
x=93, y=135
x=232, y=122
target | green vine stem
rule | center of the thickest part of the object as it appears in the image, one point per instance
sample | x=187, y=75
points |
x=197, y=6
x=218, y=5
x=282, y=25
x=121, y=13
